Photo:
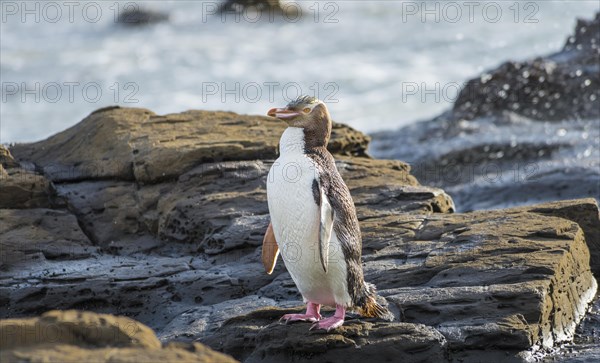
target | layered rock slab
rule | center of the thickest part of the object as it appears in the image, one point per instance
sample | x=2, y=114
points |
x=255, y=338
x=138, y=145
x=167, y=249
x=136, y=179
x=492, y=283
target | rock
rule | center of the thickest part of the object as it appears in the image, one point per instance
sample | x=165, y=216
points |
x=21, y=188
x=140, y=17
x=505, y=276
x=33, y=236
x=6, y=159
x=203, y=320
x=111, y=214
x=161, y=179
x=76, y=328
x=584, y=213
x=257, y=337
x=180, y=252
x=585, y=38
x=586, y=344
x=164, y=249
x=132, y=144
x=524, y=133
x=492, y=283
x=266, y=8
x=562, y=86
x=71, y=336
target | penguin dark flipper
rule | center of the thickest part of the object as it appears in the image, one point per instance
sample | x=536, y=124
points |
x=270, y=250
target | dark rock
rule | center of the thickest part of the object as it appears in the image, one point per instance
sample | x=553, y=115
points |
x=112, y=213
x=266, y=8
x=140, y=17
x=586, y=343
x=585, y=38
x=34, y=236
x=562, y=86
x=258, y=337
x=526, y=132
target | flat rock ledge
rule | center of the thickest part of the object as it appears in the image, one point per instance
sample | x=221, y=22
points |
x=495, y=285
x=160, y=219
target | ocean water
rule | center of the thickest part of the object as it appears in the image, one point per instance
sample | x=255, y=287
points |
x=378, y=64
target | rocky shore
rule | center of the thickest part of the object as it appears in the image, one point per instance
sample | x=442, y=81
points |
x=160, y=219
x=525, y=132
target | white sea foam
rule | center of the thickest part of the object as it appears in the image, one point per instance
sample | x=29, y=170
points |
x=368, y=55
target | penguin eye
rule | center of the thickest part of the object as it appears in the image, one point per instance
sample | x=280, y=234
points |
x=306, y=110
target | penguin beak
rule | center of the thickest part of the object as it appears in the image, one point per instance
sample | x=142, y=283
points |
x=282, y=113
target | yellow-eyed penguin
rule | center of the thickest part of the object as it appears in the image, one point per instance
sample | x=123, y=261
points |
x=313, y=221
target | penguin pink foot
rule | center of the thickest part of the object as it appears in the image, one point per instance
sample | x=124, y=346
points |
x=332, y=322
x=312, y=314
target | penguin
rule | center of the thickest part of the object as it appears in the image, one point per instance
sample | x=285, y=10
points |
x=313, y=221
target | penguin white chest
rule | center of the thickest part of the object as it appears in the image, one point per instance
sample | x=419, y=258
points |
x=296, y=218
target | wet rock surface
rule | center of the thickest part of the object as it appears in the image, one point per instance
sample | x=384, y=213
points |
x=172, y=239
x=561, y=86
x=493, y=284
x=523, y=133
x=255, y=338
x=585, y=347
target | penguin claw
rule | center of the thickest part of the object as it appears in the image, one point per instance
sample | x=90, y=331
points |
x=327, y=324
x=289, y=318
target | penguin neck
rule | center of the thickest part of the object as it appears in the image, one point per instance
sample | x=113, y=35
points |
x=292, y=141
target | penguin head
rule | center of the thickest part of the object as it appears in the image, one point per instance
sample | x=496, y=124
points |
x=310, y=114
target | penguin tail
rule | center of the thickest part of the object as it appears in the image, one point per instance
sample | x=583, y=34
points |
x=370, y=307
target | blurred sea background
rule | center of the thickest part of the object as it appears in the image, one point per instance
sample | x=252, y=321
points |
x=378, y=64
